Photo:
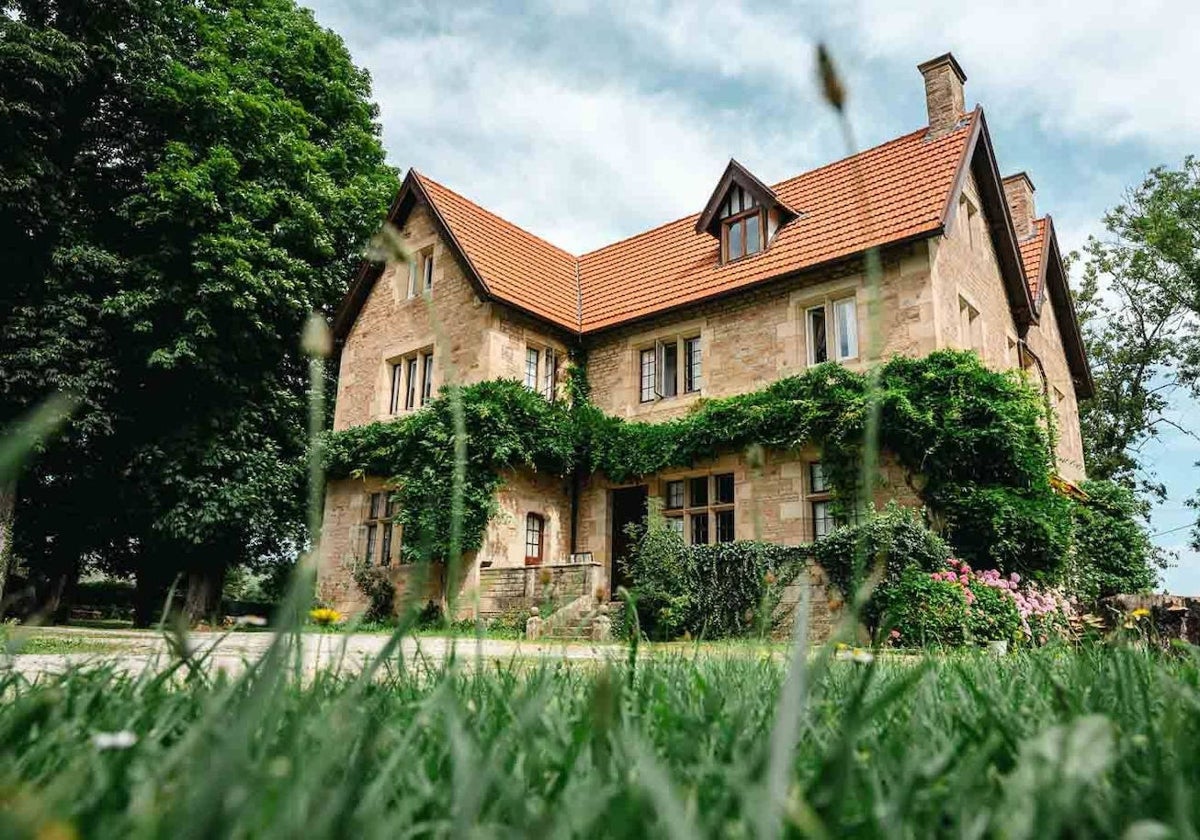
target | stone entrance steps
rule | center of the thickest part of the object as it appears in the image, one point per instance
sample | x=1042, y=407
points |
x=581, y=620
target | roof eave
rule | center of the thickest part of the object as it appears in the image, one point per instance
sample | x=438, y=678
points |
x=1068, y=318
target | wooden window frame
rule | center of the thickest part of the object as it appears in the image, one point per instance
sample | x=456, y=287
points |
x=700, y=514
x=532, y=518
x=741, y=220
x=380, y=525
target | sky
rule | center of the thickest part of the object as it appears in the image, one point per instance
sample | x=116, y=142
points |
x=587, y=122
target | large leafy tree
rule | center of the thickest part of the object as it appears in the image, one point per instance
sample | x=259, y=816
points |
x=196, y=180
x=1140, y=309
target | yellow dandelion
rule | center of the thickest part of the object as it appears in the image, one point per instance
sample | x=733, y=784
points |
x=1140, y=612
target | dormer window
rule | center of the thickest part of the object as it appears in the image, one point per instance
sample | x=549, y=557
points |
x=741, y=225
x=743, y=213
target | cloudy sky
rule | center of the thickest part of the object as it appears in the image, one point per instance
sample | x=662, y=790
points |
x=588, y=122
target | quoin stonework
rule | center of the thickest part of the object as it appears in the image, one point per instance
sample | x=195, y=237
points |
x=762, y=282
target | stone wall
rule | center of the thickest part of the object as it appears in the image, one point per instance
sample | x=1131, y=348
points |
x=1171, y=616
x=516, y=589
x=752, y=339
x=1045, y=341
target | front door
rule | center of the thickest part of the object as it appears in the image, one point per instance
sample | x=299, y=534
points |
x=628, y=506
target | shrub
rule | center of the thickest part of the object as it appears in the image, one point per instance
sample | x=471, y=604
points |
x=897, y=538
x=663, y=579
x=992, y=614
x=1113, y=552
x=1013, y=530
x=919, y=610
x=709, y=591
x=373, y=582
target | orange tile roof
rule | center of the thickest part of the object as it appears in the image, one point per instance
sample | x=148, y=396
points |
x=515, y=265
x=901, y=188
x=1033, y=251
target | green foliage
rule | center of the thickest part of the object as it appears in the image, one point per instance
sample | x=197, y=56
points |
x=897, y=538
x=925, y=612
x=972, y=434
x=507, y=426
x=1113, y=551
x=373, y=582
x=192, y=181
x=706, y=591
x=993, y=614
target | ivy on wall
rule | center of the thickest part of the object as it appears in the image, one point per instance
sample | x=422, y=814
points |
x=975, y=439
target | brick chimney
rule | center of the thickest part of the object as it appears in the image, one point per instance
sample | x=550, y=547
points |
x=1018, y=190
x=943, y=93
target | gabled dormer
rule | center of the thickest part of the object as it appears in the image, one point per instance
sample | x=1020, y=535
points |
x=743, y=214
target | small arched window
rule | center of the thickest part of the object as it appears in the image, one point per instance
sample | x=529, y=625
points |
x=535, y=530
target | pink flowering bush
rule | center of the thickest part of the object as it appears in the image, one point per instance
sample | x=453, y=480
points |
x=999, y=606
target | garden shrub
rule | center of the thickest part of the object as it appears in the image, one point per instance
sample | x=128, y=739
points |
x=1113, y=553
x=897, y=538
x=374, y=583
x=992, y=614
x=919, y=610
x=708, y=591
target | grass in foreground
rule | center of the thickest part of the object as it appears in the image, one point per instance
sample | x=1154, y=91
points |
x=1053, y=743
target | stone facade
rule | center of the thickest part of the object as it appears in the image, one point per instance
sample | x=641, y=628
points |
x=943, y=291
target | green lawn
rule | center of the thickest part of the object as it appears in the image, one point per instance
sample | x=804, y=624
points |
x=1053, y=743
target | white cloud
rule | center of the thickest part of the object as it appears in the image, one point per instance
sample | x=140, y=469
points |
x=1106, y=70
x=581, y=162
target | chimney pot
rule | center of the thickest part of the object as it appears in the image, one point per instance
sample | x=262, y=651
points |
x=944, y=101
x=1018, y=191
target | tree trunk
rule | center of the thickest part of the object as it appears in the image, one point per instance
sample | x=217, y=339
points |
x=204, y=586
x=8, y=502
x=150, y=593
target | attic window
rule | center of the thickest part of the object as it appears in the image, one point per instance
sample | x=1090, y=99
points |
x=741, y=224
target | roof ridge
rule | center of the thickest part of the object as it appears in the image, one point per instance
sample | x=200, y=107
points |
x=495, y=215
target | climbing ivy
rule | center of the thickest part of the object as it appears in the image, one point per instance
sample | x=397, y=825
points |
x=975, y=439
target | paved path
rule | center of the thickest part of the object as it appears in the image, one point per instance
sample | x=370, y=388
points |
x=136, y=650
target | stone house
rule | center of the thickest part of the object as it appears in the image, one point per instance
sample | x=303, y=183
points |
x=761, y=282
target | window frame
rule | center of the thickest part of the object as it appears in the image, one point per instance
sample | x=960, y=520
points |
x=810, y=334
x=970, y=326
x=397, y=386
x=835, y=305
x=829, y=310
x=380, y=524
x=535, y=519
x=549, y=378
x=697, y=520
x=426, y=377
x=683, y=353
x=533, y=363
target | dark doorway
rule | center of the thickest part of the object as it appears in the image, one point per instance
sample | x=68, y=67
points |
x=628, y=505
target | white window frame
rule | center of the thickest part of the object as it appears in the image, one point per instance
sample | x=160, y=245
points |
x=852, y=344
x=411, y=381
x=830, y=310
x=426, y=377
x=662, y=387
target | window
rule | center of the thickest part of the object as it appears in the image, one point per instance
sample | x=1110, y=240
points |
x=535, y=528
x=378, y=525
x=669, y=383
x=550, y=374
x=818, y=347
x=413, y=268
x=675, y=495
x=410, y=394
x=427, y=267
x=741, y=227
x=411, y=381
x=427, y=378
x=967, y=213
x=532, y=357
x=724, y=526
x=647, y=377
x=690, y=513
x=818, y=482
x=970, y=326
x=693, y=374
x=397, y=388
x=840, y=343
x=659, y=368
x=845, y=319
x=823, y=521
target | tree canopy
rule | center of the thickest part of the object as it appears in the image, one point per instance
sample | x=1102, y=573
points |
x=182, y=185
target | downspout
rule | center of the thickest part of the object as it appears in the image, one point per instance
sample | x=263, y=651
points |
x=576, y=476
x=1023, y=347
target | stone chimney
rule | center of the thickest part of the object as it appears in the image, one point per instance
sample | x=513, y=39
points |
x=1018, y=190
x=943, y=93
